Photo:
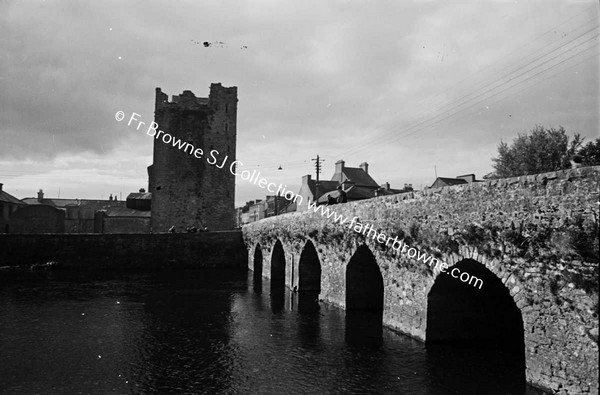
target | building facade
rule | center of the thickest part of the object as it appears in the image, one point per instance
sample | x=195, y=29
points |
x=194, y=188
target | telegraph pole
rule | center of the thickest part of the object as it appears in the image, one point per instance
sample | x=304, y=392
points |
x=318, y=168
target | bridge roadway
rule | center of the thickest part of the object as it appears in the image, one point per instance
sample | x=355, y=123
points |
x=532, y=240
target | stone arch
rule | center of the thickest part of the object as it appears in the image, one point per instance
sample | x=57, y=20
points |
x=257, y=261
x=309, y=269
x=458, y=311
x=278, y=264
x=364, y=282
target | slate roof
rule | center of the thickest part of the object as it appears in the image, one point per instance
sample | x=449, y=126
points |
x=451, y=181
x=140, y=196
x=125, y=212
x=358, y=176
x=324, y=186
x=7, y=197
x=89, y=203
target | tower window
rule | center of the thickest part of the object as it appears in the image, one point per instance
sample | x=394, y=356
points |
x=226, y=127
x=226, y=108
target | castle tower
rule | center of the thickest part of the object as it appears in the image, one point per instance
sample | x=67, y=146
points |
x=189, y=188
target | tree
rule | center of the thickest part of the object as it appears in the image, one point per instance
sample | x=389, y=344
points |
x=590, y=153
x=540, y=151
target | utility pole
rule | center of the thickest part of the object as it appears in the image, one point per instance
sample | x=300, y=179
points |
x=318, y=168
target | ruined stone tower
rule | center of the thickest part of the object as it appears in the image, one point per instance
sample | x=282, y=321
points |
x=190, y=189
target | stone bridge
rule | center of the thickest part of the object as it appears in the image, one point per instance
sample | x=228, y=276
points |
x=532, y=241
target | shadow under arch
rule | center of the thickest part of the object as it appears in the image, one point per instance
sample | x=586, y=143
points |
x=257, y=267
x=364, y=300
x=277, y=294
x=309, y=269
x=364, y=283
x=482, y=324
x=278, y=265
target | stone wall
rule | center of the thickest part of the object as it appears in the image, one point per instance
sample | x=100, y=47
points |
x=537, y=234
x=194, y=188
x=126, y=251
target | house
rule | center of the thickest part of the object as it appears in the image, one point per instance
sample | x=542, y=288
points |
x=8, y=205
x=242, y=213
x=55, y=215
x=357, y=183
x=276, y=205
x=308, y=191
x=459, y=180
x=257, y=211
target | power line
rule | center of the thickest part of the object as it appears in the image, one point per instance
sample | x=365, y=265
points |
x=386, y=136
x=393, y=138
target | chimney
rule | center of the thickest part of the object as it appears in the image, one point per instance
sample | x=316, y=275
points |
x=40, y=196
x=1, y=186
x=339, y=168
x=365, y=167
x=305, y=179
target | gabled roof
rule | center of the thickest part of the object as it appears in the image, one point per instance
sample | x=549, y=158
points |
x=324, y=186
x=359, y=177
x=451, y=181
x=8, y=198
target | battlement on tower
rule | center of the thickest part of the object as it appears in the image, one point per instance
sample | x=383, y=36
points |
x=188, y=101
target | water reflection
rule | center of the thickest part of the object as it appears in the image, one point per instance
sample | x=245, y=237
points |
x=219, y=332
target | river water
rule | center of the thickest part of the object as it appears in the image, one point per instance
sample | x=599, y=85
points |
x=218, y=332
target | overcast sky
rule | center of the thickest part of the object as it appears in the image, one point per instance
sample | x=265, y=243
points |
x=402, y=85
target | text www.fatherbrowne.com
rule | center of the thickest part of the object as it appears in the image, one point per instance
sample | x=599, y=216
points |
x=397, y=245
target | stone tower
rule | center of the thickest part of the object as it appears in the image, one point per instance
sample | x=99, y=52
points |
x=187, y=190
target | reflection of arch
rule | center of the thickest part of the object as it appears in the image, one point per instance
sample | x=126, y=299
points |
x=258, y=261
x=309, y=269
x=459, y=311
x=278, y=264
x=364, y=283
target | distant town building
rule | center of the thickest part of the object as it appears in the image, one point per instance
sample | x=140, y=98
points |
x=445, y=181
x=8, y=205
x=385, y=189
x=355, y=181
x=257, y=211
x=194, y=188
x=141, y=200
x=53, y=215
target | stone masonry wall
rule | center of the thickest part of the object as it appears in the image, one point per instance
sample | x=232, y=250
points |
x=189, y=188
x=538, y=234
x=125, y=251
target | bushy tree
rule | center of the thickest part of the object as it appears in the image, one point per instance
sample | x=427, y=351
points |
x=540, y=151
x=590, y=153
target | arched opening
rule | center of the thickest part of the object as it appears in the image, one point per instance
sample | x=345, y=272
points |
x=258, y=261
x=278, y=265
x=364, y=283
x=309, y=270
x=257, y=269
x=479, y=323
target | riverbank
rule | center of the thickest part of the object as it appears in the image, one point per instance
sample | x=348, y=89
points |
x=220, y=249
